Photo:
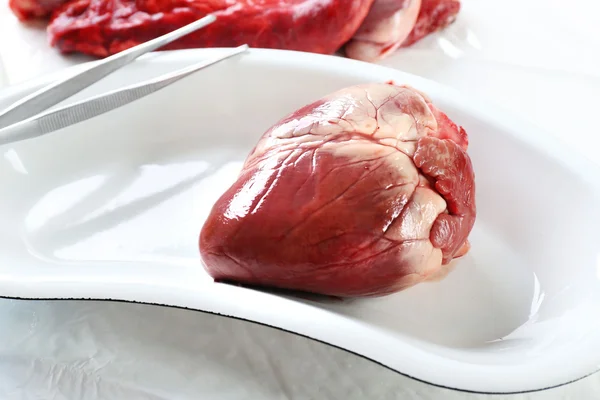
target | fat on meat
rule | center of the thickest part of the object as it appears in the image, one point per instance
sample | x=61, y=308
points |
x=365, y=192
x=369, y=29
x=392, y=24
x=434, y=15
x=385, y=28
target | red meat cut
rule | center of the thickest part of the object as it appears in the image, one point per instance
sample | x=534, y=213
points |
x=386, y=27
x=433, y=16
x=104, y=27
x=377, y=28
x=365, y=192
x=31, y=9
x=391, y=24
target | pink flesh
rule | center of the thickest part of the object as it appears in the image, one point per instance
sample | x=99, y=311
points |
x=433, y=16
x=363, y=193
x=386, y=27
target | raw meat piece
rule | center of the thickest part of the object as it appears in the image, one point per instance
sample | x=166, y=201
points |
x=433, y=16
x=31, y=9
x=365, y=192
x=104, y=27
x=386, y=27
x=391, y=24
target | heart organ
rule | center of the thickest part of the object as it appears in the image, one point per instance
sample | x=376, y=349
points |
x=364, y=192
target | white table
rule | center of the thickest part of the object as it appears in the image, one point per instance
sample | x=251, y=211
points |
x=539, y=59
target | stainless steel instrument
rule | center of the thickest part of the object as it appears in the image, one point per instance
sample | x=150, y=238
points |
x=27, y=119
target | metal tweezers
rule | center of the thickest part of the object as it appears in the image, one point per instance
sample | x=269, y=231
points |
x=28, y=119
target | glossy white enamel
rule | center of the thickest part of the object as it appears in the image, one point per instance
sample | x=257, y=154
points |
x=111, y=209
x=3, y=80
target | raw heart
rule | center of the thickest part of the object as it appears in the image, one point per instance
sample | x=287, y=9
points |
x=363, y=193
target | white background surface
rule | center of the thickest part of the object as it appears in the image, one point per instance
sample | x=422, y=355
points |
x=539, y=59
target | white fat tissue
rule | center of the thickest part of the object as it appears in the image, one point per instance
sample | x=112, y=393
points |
x=386, y=27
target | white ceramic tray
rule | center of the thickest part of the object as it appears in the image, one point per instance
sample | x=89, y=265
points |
x=111, y=209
